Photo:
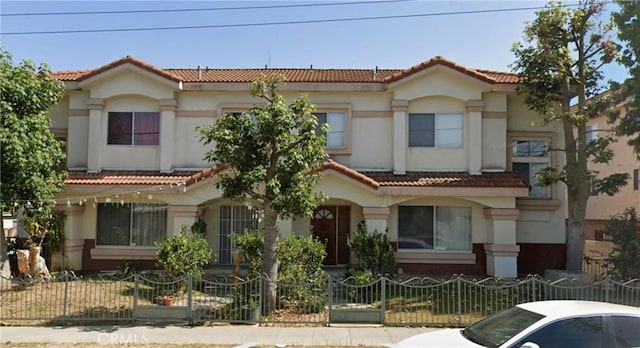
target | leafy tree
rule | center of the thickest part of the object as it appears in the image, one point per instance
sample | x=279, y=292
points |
x=272, y=153
x=623, y=230
x=30, y=153
x=559, y=62
x=627, y=20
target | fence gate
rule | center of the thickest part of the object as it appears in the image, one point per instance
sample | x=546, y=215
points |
x=352, y=303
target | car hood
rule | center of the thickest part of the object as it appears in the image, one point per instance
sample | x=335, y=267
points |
x=441, y=338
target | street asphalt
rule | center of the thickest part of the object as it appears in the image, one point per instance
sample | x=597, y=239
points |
x=237, y=335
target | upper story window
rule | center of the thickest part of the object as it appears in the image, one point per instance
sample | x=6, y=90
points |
x=435, y=130
x=636, y=179
x=337, y=121
x=528, y=157
x=592, y=133
x=134, y=128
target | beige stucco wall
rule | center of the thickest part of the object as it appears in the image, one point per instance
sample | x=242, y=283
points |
x=440, y=81
x=129, y=81
x=602, y=207
x=59, y=114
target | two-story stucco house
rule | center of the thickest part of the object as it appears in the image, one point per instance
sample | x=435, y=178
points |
x=437, y=155
x=601, y=208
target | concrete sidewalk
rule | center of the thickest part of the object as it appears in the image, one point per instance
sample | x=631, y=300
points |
x=238, y=335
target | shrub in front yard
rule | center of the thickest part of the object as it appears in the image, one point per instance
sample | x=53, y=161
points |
x=182, y=254
x=299, y=267
x=373, y=250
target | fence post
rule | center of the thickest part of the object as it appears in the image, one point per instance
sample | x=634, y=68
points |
x=135, y=298
x=66, y=296
x=607, y=286
x=189, y=298
x=533, y=285
x=330, y=299
x=459, y=296
x=383, y=299
x=260, y=302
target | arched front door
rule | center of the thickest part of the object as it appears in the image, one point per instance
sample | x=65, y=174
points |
x=331, y=226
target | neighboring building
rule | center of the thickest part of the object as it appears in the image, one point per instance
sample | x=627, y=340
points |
x=429, y=154
x=601, y=207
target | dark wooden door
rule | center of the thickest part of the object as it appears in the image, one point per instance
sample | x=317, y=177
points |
x=331, y=226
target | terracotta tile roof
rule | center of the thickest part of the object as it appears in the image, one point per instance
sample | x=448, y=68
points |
x=70, y=75
x=344, y=170
x=500, y=77
x=129, y=178
x=374, y=180
x=292, y=75
x=448, y=179
x=484, y=75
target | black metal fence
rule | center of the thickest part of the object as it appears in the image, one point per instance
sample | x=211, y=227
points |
x=454, y=302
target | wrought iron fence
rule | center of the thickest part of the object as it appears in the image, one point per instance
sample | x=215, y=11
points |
x=454, y=302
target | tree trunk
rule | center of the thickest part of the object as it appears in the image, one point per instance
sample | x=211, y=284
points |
x=575, y=245
x=5, y=266
x=270, y=261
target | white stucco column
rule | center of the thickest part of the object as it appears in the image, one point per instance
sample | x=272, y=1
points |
x=167, y=133
x=376, y=218
x=98, y=125
x=474, y=112
x=74, y=239
x=181, y=215
x=501, y=248
x=399, y=108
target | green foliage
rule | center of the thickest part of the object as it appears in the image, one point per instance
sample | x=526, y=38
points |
x=301, y=272
x=250, y=243
x=300, y=267
x=560, y=66
x=272, y=154
x=199, y=227
x=128, y=268
x=271, y=151
x=358, y=289
x=624, y=231
x=183, y=254
x=30, y=153
x=628, y=25
x=374, y=251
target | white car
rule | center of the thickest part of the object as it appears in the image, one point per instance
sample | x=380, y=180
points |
x=543, y=324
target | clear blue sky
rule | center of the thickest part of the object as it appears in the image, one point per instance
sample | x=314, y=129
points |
x=478, y=40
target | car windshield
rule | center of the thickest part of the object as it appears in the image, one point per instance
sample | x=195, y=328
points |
x=500, y=327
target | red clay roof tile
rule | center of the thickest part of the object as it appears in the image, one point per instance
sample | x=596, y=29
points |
x=134, y=61
x=292, y=75
x=448, y=179
x=371, y=179
x=128, y=178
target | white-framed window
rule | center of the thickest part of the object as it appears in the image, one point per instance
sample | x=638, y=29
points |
x=337, y=122
x=592, y=132
x=528, y=157
x=133, y=128
x=234, y=219
x=442, y=130
x=445, y=228
x=131, y=224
